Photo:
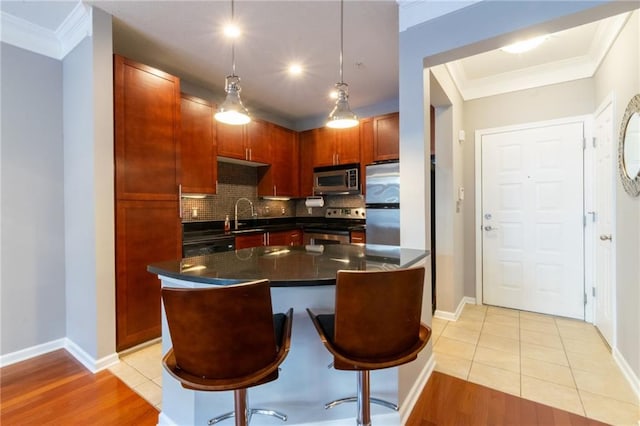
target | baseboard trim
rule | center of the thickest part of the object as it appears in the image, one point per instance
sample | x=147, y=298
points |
x=33, y=351
x=628, y=372
x=453, y=316
x=415, y=391
x=92, y=364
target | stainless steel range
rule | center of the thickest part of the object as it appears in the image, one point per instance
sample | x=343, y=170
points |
x=339, y=222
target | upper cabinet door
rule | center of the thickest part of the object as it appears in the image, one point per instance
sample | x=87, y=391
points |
x=386, y=137
x=306, y=145
x=324, y=146
x=198, y=146
x=147, y=126
x=348, y=145
x=231, y=141
x=257, y=144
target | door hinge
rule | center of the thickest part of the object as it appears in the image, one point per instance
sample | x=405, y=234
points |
x=584, y=221
x=593, y=140
x=585, y=298
x=584, y=143
x=593, y=291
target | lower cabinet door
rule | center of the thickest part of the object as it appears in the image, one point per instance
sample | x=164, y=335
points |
x=248, y=241
x=146, y=232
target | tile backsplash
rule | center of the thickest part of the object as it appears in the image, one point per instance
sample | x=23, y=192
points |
x=236, y=181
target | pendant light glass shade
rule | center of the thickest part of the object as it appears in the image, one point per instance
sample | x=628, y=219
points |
x=341, y=117
x=232, y=111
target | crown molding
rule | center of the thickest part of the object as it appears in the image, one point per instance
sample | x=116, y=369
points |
x=54, y=44
x=569, y=69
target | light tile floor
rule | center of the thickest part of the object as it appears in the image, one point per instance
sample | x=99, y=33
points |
x=142, y=372
x=555, y=361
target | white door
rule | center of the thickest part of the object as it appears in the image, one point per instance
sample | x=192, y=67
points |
x=603, y=213
x=532, y=219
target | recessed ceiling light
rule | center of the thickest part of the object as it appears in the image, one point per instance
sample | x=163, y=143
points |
x=232, y=31
x=525, y=45
x=295, y=69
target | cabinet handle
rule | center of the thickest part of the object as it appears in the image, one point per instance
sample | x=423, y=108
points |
x=216, y=186
x=274, y=190
x=249, y=154
x=180, y=200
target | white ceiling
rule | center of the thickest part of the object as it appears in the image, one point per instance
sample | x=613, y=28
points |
x=184, y=38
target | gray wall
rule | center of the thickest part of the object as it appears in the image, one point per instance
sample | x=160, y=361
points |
x=620, y=74
x=539, y=104
x=89, y=192
x=33, y=290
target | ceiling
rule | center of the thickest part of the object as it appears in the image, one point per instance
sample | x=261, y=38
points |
x=184, y=38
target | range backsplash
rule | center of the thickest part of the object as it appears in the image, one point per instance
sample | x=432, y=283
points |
x=236, y=181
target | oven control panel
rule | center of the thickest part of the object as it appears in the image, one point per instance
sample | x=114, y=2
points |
x=345, y=213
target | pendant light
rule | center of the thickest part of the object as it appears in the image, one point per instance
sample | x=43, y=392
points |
x=232, y=111
x=341, y=117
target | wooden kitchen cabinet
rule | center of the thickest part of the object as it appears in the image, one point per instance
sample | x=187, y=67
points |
x=281, y=178
x=386, y=137
x=285, y=238
x=250, y=240
x=249, y=142
x=336, y=146
x=306, y=145
x=198, y=146
x=358, y=237
x=146, y=232
x=147, y=126
x=147, y=172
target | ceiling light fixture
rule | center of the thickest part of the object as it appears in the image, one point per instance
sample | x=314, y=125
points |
x=232, y=30
x=525, y=45
x=295, y=69
x=341, y=117
x=232, y=111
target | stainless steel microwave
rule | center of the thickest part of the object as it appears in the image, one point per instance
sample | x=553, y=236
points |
x=341, y=179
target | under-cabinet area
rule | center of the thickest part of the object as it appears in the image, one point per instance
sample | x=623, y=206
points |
x=176, y=166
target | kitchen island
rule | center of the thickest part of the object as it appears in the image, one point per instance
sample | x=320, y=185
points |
x=301, y=277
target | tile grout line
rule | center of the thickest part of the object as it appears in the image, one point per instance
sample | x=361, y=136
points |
x=564, y=349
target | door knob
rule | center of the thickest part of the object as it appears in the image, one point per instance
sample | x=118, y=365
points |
x=605, y=237
x=490, y=228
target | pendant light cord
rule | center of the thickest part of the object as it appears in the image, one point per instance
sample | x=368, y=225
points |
x=233, y=44
x=341, y=37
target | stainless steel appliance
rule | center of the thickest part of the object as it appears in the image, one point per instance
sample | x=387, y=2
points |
x=336, y=229
x=383, y=203
x=342, y=179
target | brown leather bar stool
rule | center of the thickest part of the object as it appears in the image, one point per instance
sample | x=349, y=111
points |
x=376, y=325
x=226, y=338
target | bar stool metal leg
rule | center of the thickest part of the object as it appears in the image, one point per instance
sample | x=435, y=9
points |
x=241, y=402
x=364, y=409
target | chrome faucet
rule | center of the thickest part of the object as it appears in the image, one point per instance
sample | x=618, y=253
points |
x=236, y=210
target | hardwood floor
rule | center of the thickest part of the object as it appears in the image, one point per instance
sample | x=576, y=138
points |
x=447, y=400
x=56, y=389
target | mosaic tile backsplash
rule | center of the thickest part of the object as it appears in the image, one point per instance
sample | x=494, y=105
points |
x=237, y=181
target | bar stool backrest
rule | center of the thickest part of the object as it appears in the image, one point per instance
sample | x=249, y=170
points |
x=377, y=313
x=221, y=332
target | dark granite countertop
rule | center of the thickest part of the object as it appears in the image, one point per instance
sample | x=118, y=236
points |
x=287, y=265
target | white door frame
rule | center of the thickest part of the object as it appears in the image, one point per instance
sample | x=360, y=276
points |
x=593, y=236
x=586, y=120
